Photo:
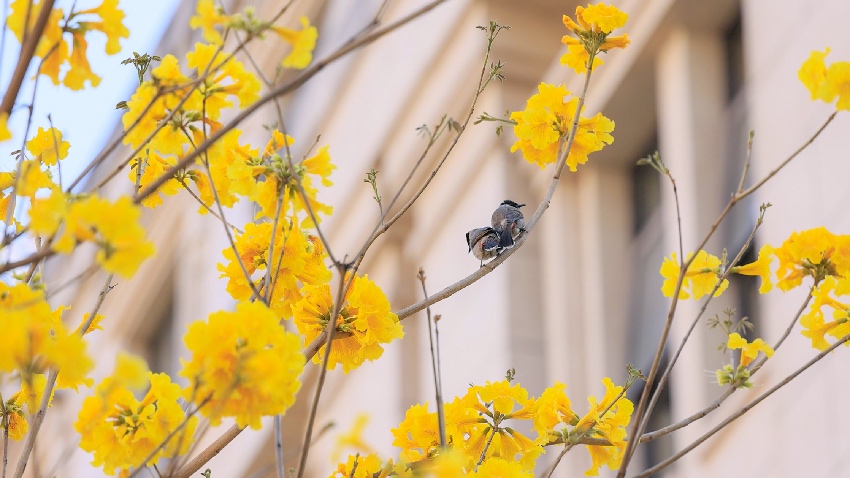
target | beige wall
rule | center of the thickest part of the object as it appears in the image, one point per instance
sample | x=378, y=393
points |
x=577, y=302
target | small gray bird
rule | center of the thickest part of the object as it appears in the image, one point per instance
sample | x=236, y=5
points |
x=508, y=222
x=483, y=243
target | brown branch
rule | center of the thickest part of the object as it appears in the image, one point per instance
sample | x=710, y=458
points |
x=731, y=418
x=640, y=422
x=28, y=47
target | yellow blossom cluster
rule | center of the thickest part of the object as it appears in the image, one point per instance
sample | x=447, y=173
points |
x=815, y=253
x=244, y=365
x=297, y=260
x=826, y=83
x=34, y=175
x=210, y=18
x=544, y=124
x=365, y=321
x=592, y=28
x=749, y=351
x=179, y=113
x=125, y=433
x=112, y=226
x=272, y=179
x=480, y=429
x=53, y=48
x=543, y=127
x=701, y=278
x=34, y=339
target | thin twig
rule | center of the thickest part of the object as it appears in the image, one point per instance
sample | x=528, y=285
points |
x=737, y=197
x=30, y=41
x=283, y=89
x=329, y=331
x=728, y=269
x=441, y=418
x=486, y=446
x=529, y=225
x=746, y=163
x=48, y=387
x=790, y=158
x=278, y=444
x=734, y=416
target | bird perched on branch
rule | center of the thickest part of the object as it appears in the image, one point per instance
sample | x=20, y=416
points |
x=508, y=222
x=483, y=243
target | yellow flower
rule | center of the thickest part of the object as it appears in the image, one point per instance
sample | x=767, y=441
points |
x=362, y=466
x=365, y=317
x=606, y=419
x=824, y=82
x=51, y=47
x=4, y=127
x=80, y=70
x=208, y=17
x=122, y=431
x=500, y=401
x=112, y=24
x=33, y=178
x=302, y=262
x=592, y=28
x=33, y=340
x=18, y=425
x=154, y=166
x=815, y=326
x=303, y=42
x=47, y=146
x=553, y=408
x=545, y=124
x=761, y=268
x=281, y=180
x=502, y=468
x=701, y=278
x=749, y=350
x=601, y=17
x=417, y=434
x=242, y=84
x=244, y=365
x=32, y=391
x=46, y=214
x=813, y=74
x=838, y=84
x=817, y=253
x=114, y=227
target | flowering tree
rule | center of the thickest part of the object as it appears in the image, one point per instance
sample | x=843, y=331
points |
x=280, y=271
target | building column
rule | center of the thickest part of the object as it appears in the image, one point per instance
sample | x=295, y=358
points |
x=691, y=96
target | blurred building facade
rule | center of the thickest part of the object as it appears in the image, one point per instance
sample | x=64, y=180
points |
x=582, y=297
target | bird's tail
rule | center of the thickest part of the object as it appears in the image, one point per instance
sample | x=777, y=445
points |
x=505, y=239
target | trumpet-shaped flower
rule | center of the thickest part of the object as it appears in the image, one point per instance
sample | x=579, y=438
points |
x=47, y=146
x=545, y=123
x=761, y=268
x=607, y=419
x=364, y=316
x=826, y=83
x=749, y=350
x=592, y=28
x=33, y=340
x=243, y=365
x=815, y=325
x=701, y=278
x=816, y=253
x=302, y=41
x=123, y=432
